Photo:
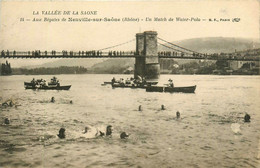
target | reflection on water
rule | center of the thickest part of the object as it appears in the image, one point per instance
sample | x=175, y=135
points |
x=209, y=133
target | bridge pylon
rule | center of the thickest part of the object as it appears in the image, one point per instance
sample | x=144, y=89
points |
x=147, y=60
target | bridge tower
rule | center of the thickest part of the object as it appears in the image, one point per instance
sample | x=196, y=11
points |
x=147, y=59
x=140, y=58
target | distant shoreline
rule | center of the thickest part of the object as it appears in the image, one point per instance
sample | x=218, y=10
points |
x=133, y=74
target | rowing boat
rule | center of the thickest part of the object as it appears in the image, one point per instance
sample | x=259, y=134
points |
x=187, y=89
x=66, y=87
x=133, y=86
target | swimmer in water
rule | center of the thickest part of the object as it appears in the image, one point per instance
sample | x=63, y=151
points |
x=178, y=115
x=7, y=121
x=123, y=135
x=100, y=133
x=86, y=130
x=109, y=130
x=8, y=103
x=247, y=118
x=52, y=99
x=162, y=107
x=140, y=108
x=5, y=104
x=89, y=133
x=61, y=134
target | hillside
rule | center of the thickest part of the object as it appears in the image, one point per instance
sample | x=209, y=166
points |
x=113, y=66
x=216, y=44
x=68, y=62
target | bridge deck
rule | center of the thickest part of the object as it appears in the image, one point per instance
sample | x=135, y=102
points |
x=128, y=56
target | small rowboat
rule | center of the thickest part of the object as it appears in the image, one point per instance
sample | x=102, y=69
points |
x=187, y=89
x=40, y=84
x=67, y=87
x=118, y=85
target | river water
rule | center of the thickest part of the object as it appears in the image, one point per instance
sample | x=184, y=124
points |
x=210, y=133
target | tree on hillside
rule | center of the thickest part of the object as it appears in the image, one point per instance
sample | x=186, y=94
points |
x=6, y=69
x=221, y=64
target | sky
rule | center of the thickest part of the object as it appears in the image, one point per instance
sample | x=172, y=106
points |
x=64, y=35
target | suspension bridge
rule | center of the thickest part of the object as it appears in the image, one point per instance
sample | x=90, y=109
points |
x=146, y=54
x=173, y=51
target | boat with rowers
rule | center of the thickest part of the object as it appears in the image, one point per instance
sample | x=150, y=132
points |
x=132, y=83
x=41, y=85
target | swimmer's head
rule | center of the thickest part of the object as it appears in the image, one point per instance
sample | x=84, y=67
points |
x=61, y=134
x=162, y=107
x=123, y=135
x=109, y=130
x=140, y=108
x=52, y=99
x=247, y=118
x=86, y=129
x=178, y=115
x=7, y=121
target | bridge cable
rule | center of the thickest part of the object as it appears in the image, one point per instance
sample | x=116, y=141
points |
x=179, y=46
x=172, y=48
x=116, y=45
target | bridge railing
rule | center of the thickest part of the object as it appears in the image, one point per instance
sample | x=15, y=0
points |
x=64, y=53
x=94, y=53
x=215, y=56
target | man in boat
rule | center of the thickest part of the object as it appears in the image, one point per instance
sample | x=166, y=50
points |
x=33, y=81
x=54, y=80
x=127, y=81
x=113, y=80
x=139, y=80
x=58, y=83
x=44, y=83
x=171, y=83
x=122, y=83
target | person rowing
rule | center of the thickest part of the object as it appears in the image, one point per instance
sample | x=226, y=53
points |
x=113, y=80
x=171, y=83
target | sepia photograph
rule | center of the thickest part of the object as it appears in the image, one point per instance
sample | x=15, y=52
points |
x=142, y=84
